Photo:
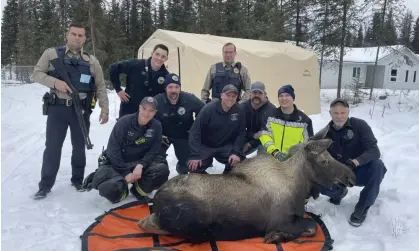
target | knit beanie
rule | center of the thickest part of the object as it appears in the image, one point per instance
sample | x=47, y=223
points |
x=171, y=78
x=287, y=89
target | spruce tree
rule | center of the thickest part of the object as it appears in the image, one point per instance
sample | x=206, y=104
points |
x=415, y=41
x=9, y=31
x=406, y=30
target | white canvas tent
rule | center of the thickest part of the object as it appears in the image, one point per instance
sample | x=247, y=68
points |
x=274, y=63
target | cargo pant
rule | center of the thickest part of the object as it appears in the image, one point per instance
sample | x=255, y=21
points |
x=127, y=108
x=181, y=147
x=368, y=176
x=221, y=154
x=60, y=118
x=112, y=185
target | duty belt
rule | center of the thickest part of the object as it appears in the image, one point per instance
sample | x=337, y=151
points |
x=67, y=102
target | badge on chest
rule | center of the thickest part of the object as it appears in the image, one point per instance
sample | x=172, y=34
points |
x=149, y=133
x=85, y=79
x=234, y=116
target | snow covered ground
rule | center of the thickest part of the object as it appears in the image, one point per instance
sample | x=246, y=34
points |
x=56, y=222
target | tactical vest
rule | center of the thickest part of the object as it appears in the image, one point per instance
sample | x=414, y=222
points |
x=78, y=71
x=224, y=77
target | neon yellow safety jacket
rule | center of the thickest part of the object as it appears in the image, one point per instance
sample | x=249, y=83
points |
x=280, y=133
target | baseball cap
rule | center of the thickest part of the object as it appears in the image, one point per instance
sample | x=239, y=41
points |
x=339, y=100
x=150, y=100
x=258, y=86
x=230, y=88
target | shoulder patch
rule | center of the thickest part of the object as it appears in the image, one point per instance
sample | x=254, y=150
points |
x=160, y=80
x=85, y=57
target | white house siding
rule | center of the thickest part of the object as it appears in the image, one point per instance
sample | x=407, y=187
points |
x=399, y=81
x=330, y=74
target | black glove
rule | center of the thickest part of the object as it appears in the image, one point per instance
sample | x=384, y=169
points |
x=87, y=183
x=350, y=164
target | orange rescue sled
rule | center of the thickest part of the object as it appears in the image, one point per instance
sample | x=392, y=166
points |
x=116, y=230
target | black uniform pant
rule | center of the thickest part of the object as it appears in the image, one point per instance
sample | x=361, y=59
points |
x=114, y=188
x=221, y=154
x=127, y=108
x=181, y=147
x=60, y=117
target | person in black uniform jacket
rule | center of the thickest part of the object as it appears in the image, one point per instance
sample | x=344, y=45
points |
x=256, y=109
x=218, y=132
x=132, y=157
x=176, y=111
x=354, y=145
x=145, y=77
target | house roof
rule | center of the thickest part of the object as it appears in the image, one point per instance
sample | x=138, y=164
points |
x=368, y=54
x=356, y=55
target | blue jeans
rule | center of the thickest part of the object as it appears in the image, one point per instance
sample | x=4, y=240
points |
x=368, y=176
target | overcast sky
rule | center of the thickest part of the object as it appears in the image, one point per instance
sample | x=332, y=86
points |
x=411, y=4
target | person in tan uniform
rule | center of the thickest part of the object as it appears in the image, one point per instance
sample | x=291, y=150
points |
x=86, y=75
x=225, y=73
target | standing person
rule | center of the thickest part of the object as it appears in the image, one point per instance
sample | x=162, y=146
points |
x=86, y=75
x=175, y=111
x=144, y=77
x=132, y=157
x=354, y=145
x=284, y=126
x=255, y=109
x=225, y=73
x=218, y=132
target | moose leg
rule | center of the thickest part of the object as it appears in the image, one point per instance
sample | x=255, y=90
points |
x=288, y=231
x=150, y=224
x=308, y=225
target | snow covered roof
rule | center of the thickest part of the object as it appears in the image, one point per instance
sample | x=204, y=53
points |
x=368, y=54
x=357, y=55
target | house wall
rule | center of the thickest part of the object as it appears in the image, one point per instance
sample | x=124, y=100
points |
x=330, y=74
x=379, y=76
x=399, y=81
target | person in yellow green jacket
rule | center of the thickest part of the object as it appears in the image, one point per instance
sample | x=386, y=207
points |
x=284, y=126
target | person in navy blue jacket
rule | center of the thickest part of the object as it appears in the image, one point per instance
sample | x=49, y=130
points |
x=144, y=77
x=176, y=110
x=355, y=145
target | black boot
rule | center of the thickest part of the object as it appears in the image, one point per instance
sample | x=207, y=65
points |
x=79, y=187
x=358, y=216
x=42, y=193
x=138, y=196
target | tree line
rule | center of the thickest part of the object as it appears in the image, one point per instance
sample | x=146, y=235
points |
x=117, y=28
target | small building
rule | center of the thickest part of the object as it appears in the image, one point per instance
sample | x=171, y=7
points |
x=397, y=68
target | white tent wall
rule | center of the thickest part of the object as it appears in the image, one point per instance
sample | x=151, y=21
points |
x=273, y=63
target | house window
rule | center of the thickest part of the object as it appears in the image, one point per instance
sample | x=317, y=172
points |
x=356, y=72
x=407, y=76
x=414, y=77
x=393, y=75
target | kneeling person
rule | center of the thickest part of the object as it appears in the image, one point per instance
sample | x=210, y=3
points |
x=176, y=110
x=132, y=157
x=218, y=132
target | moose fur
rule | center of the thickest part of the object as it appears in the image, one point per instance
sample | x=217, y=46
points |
x=261, y=197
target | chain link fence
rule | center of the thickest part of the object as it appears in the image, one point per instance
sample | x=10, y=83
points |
x=17, y=74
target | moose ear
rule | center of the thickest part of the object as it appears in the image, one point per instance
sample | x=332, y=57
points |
x=316, y=147
x=321, y=134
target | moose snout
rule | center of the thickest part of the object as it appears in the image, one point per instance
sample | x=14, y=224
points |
x=350, y=180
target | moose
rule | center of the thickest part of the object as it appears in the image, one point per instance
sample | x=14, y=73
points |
x=260, y=197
